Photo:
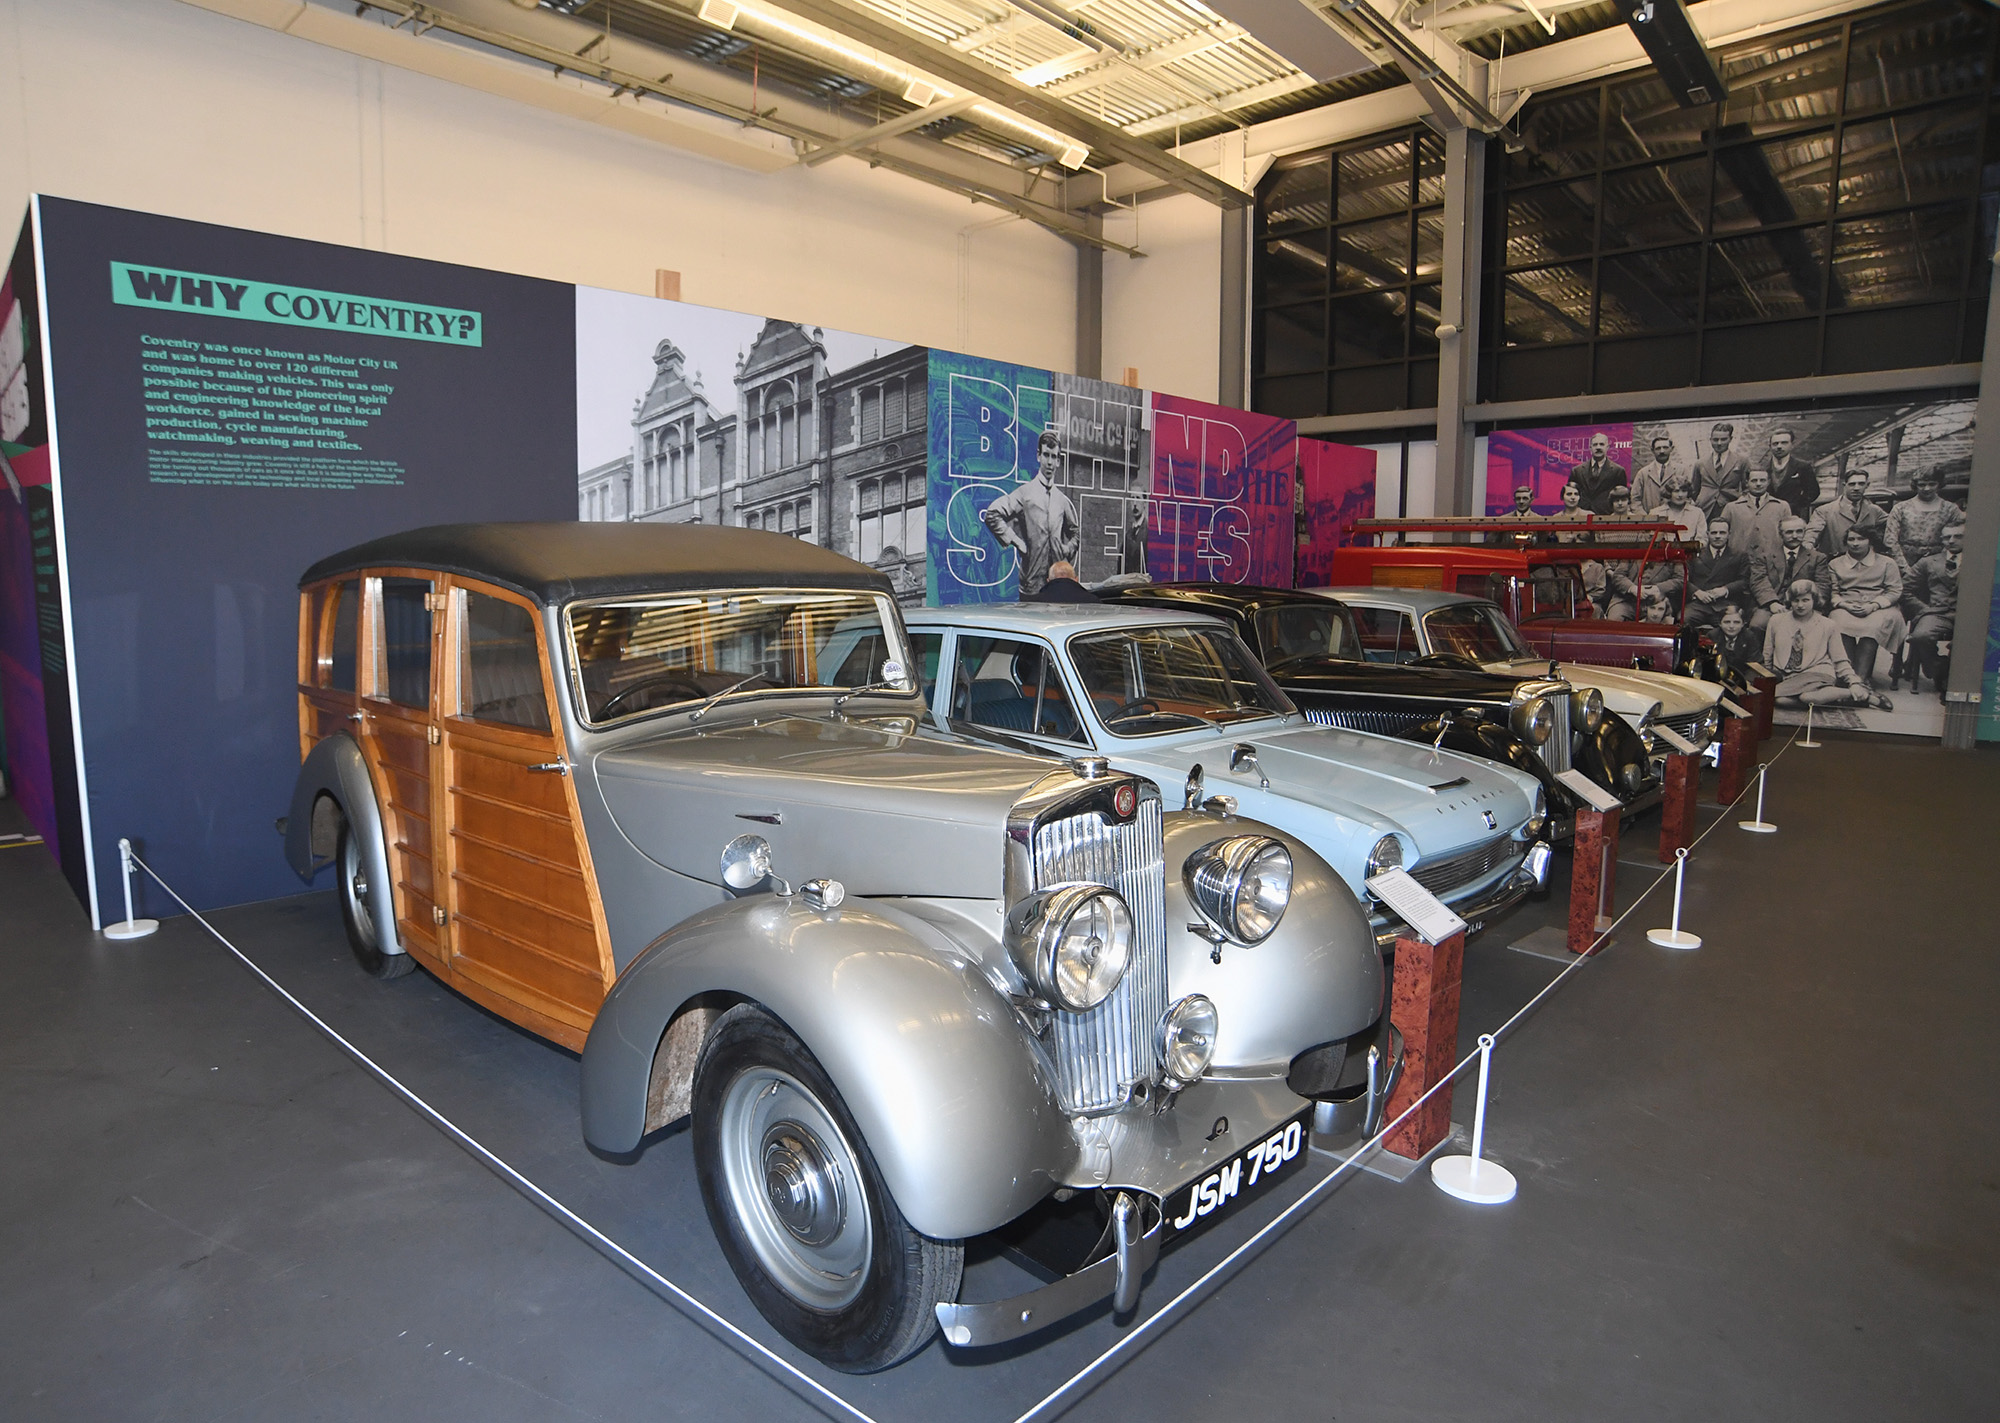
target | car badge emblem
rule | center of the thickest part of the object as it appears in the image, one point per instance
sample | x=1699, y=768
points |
x=1125, y=800
x=1491, y=823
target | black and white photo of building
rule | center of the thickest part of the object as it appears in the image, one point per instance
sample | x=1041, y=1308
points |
x=815, y=435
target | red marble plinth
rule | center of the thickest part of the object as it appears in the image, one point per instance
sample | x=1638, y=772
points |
x=1766, y=704
x=1739, y=757
x=1423, y=1004
x=1593, y=877
x=1677, y=792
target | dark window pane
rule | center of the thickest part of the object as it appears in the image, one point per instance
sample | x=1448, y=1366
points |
x=1372, y=254
x=1292, y=397
x=1917, y=53
x=1911, y=158
x=1295, y=195
x=1371, y=181
x=1369, y=327
x=1425, y=304
x=1766, y=275
x=1905, y=256
x=1294, y=339
x=1556, y=221
x=346, y=635
x=1430, y=245
x=1763, y=184
x=1367, y=388
x=1430, y=169
x=1642, y=119
x=1558, y=137
x=1774, y=84
x=503, y=666
x=1292, y=267
x=406, y=640
x=1649, y=291
x=1664, y=203
x=1548, y=304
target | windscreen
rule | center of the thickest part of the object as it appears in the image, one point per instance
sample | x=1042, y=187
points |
x=1293, y=630
x=1151, y=681
x=635, y=655
x=1475, y=630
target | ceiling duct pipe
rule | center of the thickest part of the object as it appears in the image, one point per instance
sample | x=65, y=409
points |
x=1677, y=52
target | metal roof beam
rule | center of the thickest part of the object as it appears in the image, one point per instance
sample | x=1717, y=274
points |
x=889, y=128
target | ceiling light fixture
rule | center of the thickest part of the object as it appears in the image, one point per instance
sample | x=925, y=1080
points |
x=720, y=13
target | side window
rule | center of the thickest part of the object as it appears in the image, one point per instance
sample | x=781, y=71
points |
x=337, y=668
x=1484, y=585
x=929, y=646
x=1386, y=635
x=1010, y=685
x=500, y=676
x=406, y=641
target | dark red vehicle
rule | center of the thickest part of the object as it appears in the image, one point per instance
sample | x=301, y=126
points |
x=1539, y=586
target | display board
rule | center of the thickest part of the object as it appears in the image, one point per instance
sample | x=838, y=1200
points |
x=1900, y=470
x=230, y=406
x=1336, y=487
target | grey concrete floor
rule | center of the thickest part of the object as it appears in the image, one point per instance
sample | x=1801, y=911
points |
x=1760, y=1180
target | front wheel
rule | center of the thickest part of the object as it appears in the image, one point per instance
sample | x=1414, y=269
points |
x=358, y=914
x=800, y=1207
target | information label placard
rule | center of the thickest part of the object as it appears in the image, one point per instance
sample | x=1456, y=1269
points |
x=1593, y=795
x=1419, y=908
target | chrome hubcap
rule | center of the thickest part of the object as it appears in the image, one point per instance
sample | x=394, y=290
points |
x=357, y=892
x=795, y=1187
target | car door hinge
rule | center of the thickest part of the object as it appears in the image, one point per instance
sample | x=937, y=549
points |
x=437, y=915
x=434, y=602
x=434, y=735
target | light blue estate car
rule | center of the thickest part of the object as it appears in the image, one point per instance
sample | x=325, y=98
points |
x=1181, y=700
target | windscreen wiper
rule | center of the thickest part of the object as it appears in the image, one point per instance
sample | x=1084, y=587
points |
x=736, y=686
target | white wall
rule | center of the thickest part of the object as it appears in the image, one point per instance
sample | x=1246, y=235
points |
x=1163, y=311
x=164, y=107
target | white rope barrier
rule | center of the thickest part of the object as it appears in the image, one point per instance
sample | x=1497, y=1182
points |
x=754, y=1352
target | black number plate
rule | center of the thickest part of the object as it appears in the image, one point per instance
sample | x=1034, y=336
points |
x=1279, y=1152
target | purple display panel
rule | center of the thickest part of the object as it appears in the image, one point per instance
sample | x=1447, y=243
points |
x=1222, y=505
x=1336, y=487
x=1544, y=458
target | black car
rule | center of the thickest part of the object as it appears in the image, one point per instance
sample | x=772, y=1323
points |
x=1312, y=648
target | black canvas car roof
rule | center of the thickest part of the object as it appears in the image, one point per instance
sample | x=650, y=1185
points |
x=555, y=562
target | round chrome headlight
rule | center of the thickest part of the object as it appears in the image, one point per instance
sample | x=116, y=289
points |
x=1187, y=1040
x=1387, y=855
x=1587, y=707
x=1534, y=720
x=1538, y=819
x=1072, y=942
x=1711, y=723
x=1241, y=885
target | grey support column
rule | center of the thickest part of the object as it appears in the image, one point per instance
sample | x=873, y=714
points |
x=1090, y=305
x=1232, y=370
x=1982, y=535
x=1458, y=483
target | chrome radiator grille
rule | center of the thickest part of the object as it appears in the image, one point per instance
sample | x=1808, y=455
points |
x=1099, y=1054
x=1556, y=750
x=1383, y=723
x=1454, y=872
x=1686, y=726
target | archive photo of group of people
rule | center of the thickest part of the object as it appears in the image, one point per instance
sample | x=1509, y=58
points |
x=1824, y=544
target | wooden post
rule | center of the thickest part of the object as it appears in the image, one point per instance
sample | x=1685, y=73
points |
x=1766, y=705
x=1739, y=757
x=1593, y=877
x=1682, y=778
x=1423, y=1005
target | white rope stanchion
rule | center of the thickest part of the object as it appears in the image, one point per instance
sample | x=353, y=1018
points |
x=1806, y=741
x=1469, y=1177
x=128, y=928
x=1760, y=824
x=1673, y=938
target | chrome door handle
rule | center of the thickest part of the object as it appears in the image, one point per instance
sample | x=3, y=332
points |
x=561, y=768
x=357, y=716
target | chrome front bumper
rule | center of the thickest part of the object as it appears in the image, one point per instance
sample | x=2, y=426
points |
x=1475, y=910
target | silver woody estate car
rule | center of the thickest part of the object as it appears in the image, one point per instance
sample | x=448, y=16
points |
x=1178, y=697
x=667, y=796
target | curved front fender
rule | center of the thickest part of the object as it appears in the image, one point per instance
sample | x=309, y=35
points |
x=929, y=1057
x=334, y=768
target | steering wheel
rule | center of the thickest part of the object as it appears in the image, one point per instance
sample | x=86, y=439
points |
x=646, y=684
x=1132, y=711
